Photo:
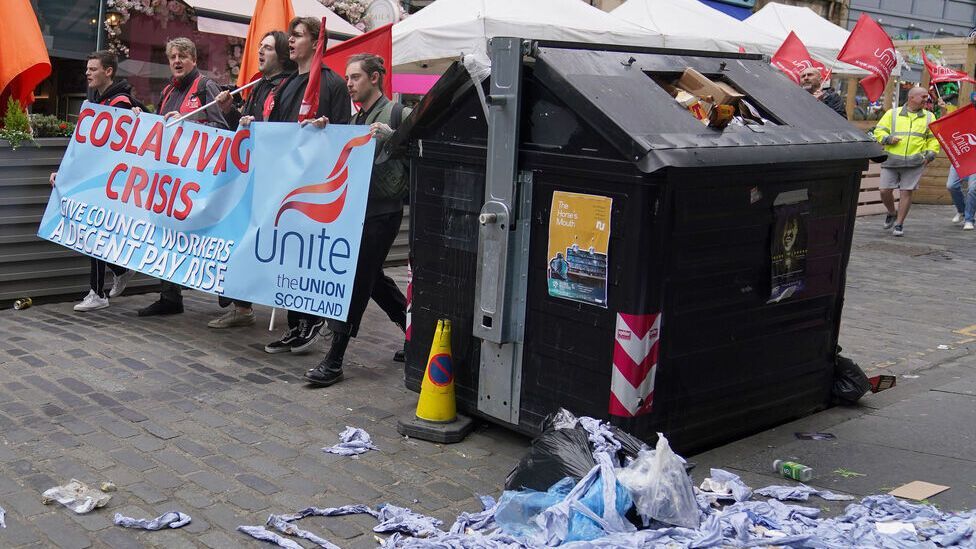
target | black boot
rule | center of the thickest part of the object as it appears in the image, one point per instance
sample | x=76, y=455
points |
x=162, y=307
x=329, y=371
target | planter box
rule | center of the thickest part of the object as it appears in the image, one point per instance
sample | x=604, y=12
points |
x=30, y=266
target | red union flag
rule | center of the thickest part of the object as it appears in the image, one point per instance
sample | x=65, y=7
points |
x=956, y=134
x=793, y=58
x=870, y=48
x=941, y=74
x=310, y=101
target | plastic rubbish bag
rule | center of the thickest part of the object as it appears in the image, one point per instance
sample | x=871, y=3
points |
x=554, y=455
x=516, y=509
x=77, y=496
x=661, y=489
x=850, y=382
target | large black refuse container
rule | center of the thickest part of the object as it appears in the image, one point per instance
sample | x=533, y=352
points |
x=706, y=228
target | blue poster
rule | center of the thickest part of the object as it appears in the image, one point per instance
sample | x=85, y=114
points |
x=271, y=214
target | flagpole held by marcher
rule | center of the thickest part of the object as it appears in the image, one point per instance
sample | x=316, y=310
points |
x=210, y=104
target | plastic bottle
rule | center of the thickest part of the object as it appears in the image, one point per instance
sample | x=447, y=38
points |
x=23, y=303
x=793, y=470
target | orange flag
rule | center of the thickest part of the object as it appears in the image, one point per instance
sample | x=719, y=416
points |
x=269, y=15
x=23, y=56
x=378, y=41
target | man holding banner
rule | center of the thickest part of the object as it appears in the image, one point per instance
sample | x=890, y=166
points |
x=276, y=68
x=188, y=91
x=324, y=96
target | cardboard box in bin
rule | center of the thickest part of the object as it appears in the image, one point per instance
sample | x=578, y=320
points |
x=700, y=85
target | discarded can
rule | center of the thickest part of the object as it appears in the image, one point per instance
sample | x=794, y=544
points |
x=793, y=470
x=23, y=303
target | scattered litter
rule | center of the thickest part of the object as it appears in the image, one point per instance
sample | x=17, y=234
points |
x=330, y=512
x=793, y=470
x=3, y=518
x=723, y=485
x=77, y=496
x=481, y=520
x=401, y=519
x=285, y=527
x=846, y=473
x=801, y=492
x=23, y=303
x=850, y=381
x=895, y=527
x=944, y=347
x=263, y=534
x=815, y=436
x=173, y=519
x=108, y=487
x=881, y=383
x=661, y=488
x=352, y=442
x=909, y=376
x=918, y=490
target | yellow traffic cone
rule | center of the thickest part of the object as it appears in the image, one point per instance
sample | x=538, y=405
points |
x=436, y=403
x=436, y=418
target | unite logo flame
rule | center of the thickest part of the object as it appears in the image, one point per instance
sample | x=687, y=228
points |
x=337, y=179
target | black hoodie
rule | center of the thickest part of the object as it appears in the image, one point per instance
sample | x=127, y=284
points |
x=118, y=94
x=334, y=102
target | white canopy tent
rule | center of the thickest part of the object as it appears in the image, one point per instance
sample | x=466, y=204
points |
x=822, y=38
x=690, y=24
x=428, y=41
x=227, y=16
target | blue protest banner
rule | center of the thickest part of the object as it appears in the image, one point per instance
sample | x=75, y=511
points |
x=271, y=214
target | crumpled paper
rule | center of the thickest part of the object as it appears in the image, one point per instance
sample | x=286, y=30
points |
x=352, y=442
x=172, y=519
x=77, y=496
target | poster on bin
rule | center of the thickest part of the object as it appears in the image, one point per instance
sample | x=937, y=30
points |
x=788, y=245
x=579, y=239
x=271, y=214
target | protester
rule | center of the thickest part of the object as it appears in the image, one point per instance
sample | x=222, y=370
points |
x=384, y=212
x=965, y=204
x=275, y=67
x=910, y=146
x=334, y=106
x=188, y=91
x=104, y=89
x=811, y=80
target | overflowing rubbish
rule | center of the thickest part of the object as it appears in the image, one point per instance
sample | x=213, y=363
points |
x=793, y=470
x=403, y=520
x=288, y=528
x=3, y=518
x=172, y=519
x=263, y=534
x=723, y=485
x=77, y=496
x=352, y=442
x=662, y=489
x=801, y=492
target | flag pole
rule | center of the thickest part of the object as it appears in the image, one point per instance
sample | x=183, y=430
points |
x=210, y=104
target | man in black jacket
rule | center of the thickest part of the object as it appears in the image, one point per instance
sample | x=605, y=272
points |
x=811, y=80
x=188, y=91
x=105, y=89
x=335, y=107
x=275, y=67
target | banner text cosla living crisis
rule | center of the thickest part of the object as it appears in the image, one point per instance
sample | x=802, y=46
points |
x=159, y=192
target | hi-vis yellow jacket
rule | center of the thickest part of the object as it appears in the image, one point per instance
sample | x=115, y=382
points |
x=917, y=144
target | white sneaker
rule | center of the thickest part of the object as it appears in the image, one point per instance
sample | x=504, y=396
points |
x=968, y=226
x=92, y=302
x=957, y=218
x=120, y=282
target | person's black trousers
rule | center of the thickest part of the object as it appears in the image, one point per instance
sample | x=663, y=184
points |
x=97, y=278
x=379, y=232
x=171, y=292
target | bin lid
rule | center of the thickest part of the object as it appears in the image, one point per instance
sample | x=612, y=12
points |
x=612, y=90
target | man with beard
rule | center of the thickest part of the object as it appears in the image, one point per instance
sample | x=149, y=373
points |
x=188, y=91
x=811, y=80
x=105, y=89
x=276, y=68
x=335, y=107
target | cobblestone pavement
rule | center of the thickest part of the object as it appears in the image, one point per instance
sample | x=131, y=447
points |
x=182, y=417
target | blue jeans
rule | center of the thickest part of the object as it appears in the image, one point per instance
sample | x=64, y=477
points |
x=967, y=205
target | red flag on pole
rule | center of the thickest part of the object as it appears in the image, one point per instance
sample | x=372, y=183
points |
x=956, y=134
x=23, y=55
x=941, y=74
x=870, y=48
x=378, y=41
x=269, y=15
x=310, y=101
x=793, y=58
